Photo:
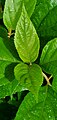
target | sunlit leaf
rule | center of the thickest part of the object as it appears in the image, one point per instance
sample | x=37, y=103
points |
x=12, y=11
x=26, y=39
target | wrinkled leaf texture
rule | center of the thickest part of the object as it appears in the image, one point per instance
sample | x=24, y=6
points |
x=44, y=19
x=26, y=39
x=45, y=109
x=29, y=77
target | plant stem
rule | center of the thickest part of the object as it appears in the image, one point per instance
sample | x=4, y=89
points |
x=47, y=79
x=11, y=97
x=30, y=63
x=9, y=33
x=50, y=77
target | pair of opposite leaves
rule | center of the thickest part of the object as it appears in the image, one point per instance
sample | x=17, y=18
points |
x=27, y=44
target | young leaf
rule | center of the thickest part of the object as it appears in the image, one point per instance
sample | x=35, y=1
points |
x=45, y=109
x=48, y=60
x=30, y=77
x=26, y=39
x=12, y=11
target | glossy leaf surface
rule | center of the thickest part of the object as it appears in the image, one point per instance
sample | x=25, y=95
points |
x=48, y=60
x=43, y=110
x=30, y=77
x=44, y=19
x=5, y=54
x=26, y=39
x=6, y=58
x=12, y=11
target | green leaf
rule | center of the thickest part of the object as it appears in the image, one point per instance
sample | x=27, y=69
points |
x=9, y=74
x=8, y=88
x=44, y=19
x=53, y=100
x=30, y=77
x=30, y=6
x=6, y=58
x=5, y=87
x=8, y=84
x=5, y=55
x=4, y=82
x=26, y=39
x=48, y=60
x=12, y=11
x=16, y=87
x=3, y=33
x=8, y=42
x=45, y=109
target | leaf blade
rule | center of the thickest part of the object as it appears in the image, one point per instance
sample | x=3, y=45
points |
x=29, y=77
x=6, y=58
x=26, y=39
x=13, y=9
x=40, y=111
x=48, y=60
x=42, y=18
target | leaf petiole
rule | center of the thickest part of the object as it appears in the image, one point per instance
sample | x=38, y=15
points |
x=10, y=33
x=47, y=79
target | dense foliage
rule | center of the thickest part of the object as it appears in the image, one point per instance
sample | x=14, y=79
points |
x=28, y=60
